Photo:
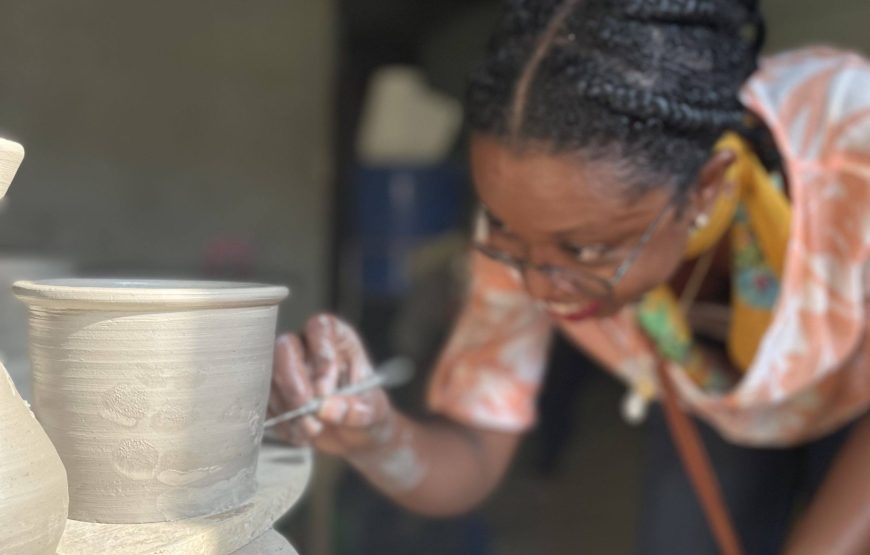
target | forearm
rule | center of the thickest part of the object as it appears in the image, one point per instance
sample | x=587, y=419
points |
x=436, y=468
x=838, y=520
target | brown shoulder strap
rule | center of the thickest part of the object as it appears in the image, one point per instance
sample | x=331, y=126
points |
x=697, y=465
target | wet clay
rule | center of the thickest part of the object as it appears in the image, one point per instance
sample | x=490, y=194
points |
x=154, y=392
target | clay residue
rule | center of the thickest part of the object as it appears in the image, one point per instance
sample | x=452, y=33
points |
x=173, y=419
x=220, y=496
x=178, y=478
x=252, y=418
x=124, y=405
x=182, y=467
x=255, y=424
x=234, y=413
x=403, y=469
x=136, y=459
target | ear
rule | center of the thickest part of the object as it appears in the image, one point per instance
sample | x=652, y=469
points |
x=711, y=182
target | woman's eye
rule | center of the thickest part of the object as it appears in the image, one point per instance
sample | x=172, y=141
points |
x=495, y=223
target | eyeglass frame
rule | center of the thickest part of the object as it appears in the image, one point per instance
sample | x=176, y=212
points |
x=610, y=284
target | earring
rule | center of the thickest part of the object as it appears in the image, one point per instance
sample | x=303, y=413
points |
x=700, y=221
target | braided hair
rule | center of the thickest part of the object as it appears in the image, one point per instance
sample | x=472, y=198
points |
x=647, y=84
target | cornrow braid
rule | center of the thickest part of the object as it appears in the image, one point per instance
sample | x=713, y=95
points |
x=691, y=11
x=650, y=84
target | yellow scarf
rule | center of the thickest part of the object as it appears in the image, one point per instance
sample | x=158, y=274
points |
x=757, y=214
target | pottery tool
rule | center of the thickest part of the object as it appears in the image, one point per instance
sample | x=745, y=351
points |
x=393, y=373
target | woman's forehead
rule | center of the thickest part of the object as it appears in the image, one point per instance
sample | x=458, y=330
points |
x=543, y=193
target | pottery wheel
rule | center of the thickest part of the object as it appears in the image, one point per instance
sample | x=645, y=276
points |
x=282, y=474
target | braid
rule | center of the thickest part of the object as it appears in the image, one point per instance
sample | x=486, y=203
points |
x=650, y=83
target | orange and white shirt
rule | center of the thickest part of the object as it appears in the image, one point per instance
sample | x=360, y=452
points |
x=811, y=373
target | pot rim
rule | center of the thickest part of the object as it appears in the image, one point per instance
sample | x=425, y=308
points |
x=152, y=294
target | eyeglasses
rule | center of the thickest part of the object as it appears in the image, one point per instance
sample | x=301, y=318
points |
x=569, y=279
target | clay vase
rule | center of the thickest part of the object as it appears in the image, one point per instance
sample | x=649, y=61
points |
x=33, y=487
x=153, y=392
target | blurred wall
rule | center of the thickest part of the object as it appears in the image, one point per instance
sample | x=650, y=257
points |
x=154, y=128
x=836, y=22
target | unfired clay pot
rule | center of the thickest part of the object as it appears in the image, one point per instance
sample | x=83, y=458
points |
x=153, y=392
x=33, y=487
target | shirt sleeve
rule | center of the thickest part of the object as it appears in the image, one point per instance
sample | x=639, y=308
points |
x=490, y=371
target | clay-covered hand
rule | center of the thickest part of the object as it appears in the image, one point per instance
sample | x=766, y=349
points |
x=326, y=356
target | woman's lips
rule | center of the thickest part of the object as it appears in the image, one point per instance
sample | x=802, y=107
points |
x=573, y=312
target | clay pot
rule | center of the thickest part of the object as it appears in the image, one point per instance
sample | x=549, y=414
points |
x=153, y=392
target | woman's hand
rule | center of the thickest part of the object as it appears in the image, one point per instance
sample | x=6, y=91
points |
x=434, y=467
x=326, y=356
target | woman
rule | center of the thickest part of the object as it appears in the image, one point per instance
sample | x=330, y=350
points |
x=648, y=190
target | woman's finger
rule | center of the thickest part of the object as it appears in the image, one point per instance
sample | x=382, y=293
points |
x=359, y=411
x=312, y=426
x=291, y=378
x=293, y=433
x=290, y=431
x=334, y=410
x=352, y=352
x=276, y=402
x=323, y=351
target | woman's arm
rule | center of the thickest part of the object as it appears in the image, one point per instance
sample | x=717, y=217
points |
x=838, y=520
x=436, y=468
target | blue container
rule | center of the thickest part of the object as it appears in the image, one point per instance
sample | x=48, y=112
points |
x=395, y=211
